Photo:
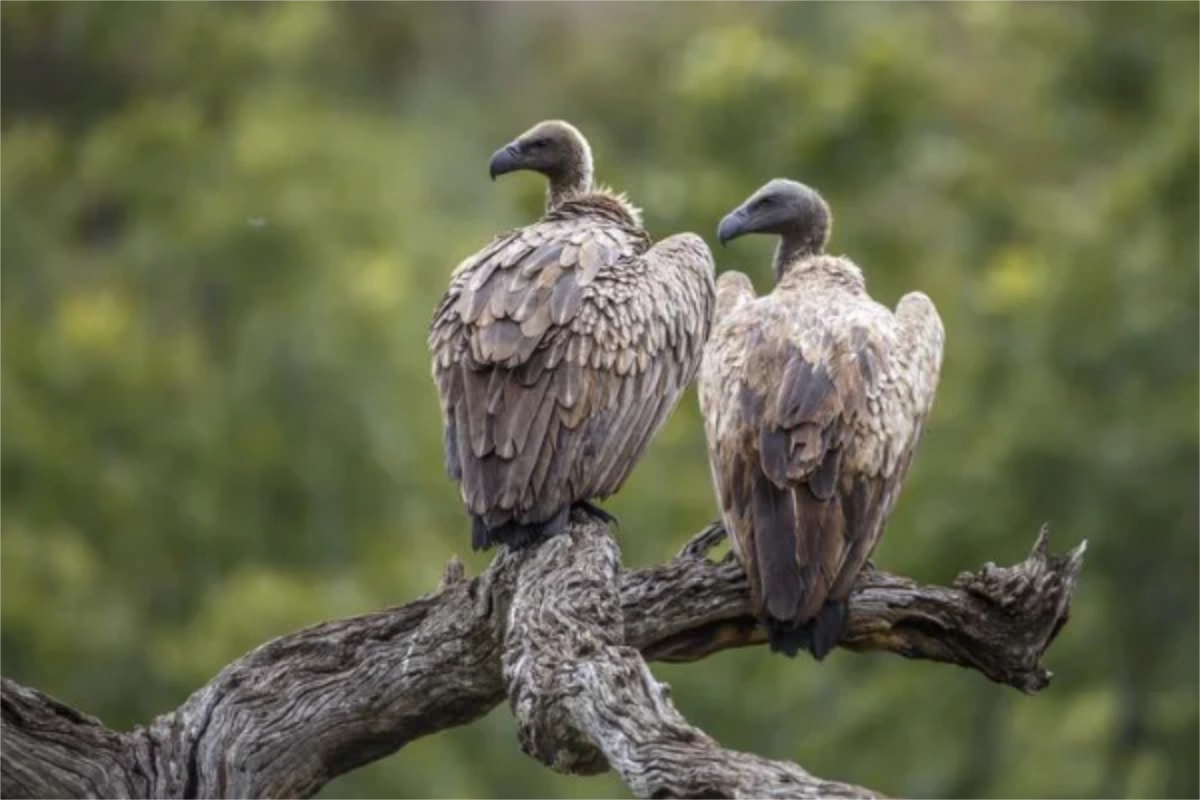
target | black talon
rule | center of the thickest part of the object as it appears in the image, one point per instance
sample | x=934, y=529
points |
x=599, y=513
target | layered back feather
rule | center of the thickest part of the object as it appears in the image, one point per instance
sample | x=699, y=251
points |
x=559, y=351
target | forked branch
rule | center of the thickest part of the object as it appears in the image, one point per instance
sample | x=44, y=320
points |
x=559, y=629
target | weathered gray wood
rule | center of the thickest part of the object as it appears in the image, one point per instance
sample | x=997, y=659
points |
x=585, y=702
x=296, y=712
x=999, y=621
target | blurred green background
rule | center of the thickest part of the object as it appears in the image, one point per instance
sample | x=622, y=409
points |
x=225, y=227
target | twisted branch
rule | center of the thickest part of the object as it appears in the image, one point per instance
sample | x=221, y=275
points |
x=559, y=631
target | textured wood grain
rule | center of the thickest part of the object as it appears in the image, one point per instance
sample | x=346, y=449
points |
x=543, y=627
x=585, y=701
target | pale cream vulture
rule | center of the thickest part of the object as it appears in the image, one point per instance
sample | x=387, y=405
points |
x=814, y=399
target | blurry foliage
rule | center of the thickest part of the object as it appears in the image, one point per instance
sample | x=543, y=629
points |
x=225, y=227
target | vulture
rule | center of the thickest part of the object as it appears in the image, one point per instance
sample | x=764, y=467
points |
x=814, y=399
x=562, y=347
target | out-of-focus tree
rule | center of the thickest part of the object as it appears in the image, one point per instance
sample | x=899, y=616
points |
x=225, y=227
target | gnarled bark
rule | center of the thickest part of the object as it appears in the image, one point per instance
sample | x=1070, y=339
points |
x=585, y=702
x=559, y=629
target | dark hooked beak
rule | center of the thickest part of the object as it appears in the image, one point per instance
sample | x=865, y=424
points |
x=734, y=225
x=506, y=159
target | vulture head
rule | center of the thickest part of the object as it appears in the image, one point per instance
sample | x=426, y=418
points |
x=556, y=149
x=788, y=209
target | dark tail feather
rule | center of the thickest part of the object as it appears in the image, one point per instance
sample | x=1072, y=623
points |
x=480, y=538
x=775, y=549
x=819, y=636
x=516, y=534
x=828, y=628
x=786, y=637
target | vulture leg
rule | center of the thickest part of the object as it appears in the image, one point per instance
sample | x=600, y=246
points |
x=516, y=534
x=599, y=513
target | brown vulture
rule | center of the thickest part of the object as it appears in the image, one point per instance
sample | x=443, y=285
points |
x=814, y=399
x=562, y=347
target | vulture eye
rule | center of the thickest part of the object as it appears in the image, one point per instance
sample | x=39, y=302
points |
x=538, y=144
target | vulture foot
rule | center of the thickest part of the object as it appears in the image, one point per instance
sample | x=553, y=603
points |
x=516, y=535
x=595, y=511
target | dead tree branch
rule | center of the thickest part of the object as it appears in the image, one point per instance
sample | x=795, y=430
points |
x=585, y=702
x=296, y=712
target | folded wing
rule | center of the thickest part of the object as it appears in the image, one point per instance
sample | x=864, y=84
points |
x=558, y=352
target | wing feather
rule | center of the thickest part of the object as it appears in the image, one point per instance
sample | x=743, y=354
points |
x=565, y=299
x=813, y=411
x=780, y=405
x=675, y=290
